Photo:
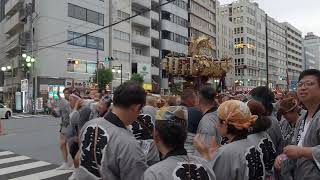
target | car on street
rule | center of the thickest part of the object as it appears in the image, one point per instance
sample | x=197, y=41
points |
x=5, y=112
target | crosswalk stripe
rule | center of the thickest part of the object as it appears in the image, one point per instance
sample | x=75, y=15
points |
x=14, y=159
x=3, y=153
x=22, y=167
x=27, y=115
x=43, y=175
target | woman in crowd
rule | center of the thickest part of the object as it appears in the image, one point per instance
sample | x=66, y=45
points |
x=239, y=159
x=260, y=138
x=266, y=97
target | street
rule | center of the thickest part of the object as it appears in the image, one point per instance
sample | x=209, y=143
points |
x=32, y=141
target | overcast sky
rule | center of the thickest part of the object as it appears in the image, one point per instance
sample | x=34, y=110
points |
x=304, y=14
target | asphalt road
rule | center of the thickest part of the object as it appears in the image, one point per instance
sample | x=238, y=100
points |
x=35, y=138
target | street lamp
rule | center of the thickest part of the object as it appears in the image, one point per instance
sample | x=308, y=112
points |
x=24, y=55
x=8, y=67
x=28, y=64
x=32, y=60
x=28, y=59
x=3, y=68
x=118, y=71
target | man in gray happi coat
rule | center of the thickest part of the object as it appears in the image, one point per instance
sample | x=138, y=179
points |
x=108, y=150
x=304, y=155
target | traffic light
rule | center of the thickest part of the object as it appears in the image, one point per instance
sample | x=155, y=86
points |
x=73, y=61
x=108, y=59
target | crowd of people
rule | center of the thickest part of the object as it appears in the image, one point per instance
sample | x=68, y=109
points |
x=199, y=135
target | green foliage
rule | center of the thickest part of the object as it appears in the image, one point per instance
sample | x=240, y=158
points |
x=138, y=78
x=105, y=76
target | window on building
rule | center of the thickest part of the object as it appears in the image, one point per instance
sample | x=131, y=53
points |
x=84, y=14
x=121, y=35
x=83, y=66
x=122, y=56
x=122, y=15
x=86, y=41
x=174, y=18
x=174, y=37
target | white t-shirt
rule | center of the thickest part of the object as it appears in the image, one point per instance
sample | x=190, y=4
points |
x=303, y=134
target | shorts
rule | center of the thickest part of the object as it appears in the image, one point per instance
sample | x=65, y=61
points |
x=73, y=148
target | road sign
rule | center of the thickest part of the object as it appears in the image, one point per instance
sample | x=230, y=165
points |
x=24, y=85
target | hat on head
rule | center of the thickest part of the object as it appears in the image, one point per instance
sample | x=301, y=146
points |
x=287, y=105
x=236, y=113
x=173, y=114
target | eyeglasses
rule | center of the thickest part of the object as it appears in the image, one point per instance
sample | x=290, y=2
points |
x=306, y=84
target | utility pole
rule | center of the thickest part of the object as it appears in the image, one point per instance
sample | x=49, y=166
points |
x=110, y=38
x=29, y=11
x=267, y=50
x=97, y=74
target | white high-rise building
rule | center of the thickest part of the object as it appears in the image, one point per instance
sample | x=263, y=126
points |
x=277, y=54
x=135, y=43
x=173, y=32
x=29, y=26
x=311, y=44
x=202, y=18
x=294, y=52
x=224, y=42
x=249, y=42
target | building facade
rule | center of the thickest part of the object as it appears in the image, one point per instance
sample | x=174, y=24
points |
x=279, y=48
x=294, y=52
x=202, y=21
x=173, y=32
x=30, y=26
x=277, y=59
x=249, y=36
x=224, y=42
x=309, y=60
x=311, y=44
x=135, y=43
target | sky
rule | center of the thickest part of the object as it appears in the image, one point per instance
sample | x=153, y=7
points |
x=304, y=14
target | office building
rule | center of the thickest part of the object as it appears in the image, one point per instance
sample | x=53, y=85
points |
x=311, y=44
x=294, y=52
x=224, y=42
x=135, y=43
x=249, y=42
x=277, y=54
x=202, y=21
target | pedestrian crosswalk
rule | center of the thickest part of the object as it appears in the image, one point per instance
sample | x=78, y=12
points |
x=20, y=116
x=18, y=167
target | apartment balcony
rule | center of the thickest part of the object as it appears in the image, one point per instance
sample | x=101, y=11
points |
x=136, y=58
x=154, y=52
x=14, y=23
x=142, y=40
x=154, y=33
x=173, y=46
x=154, y=70
x=141, y=20
x=143, y=3
x=12, y=6
x=13, y=43
x=154, y=15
